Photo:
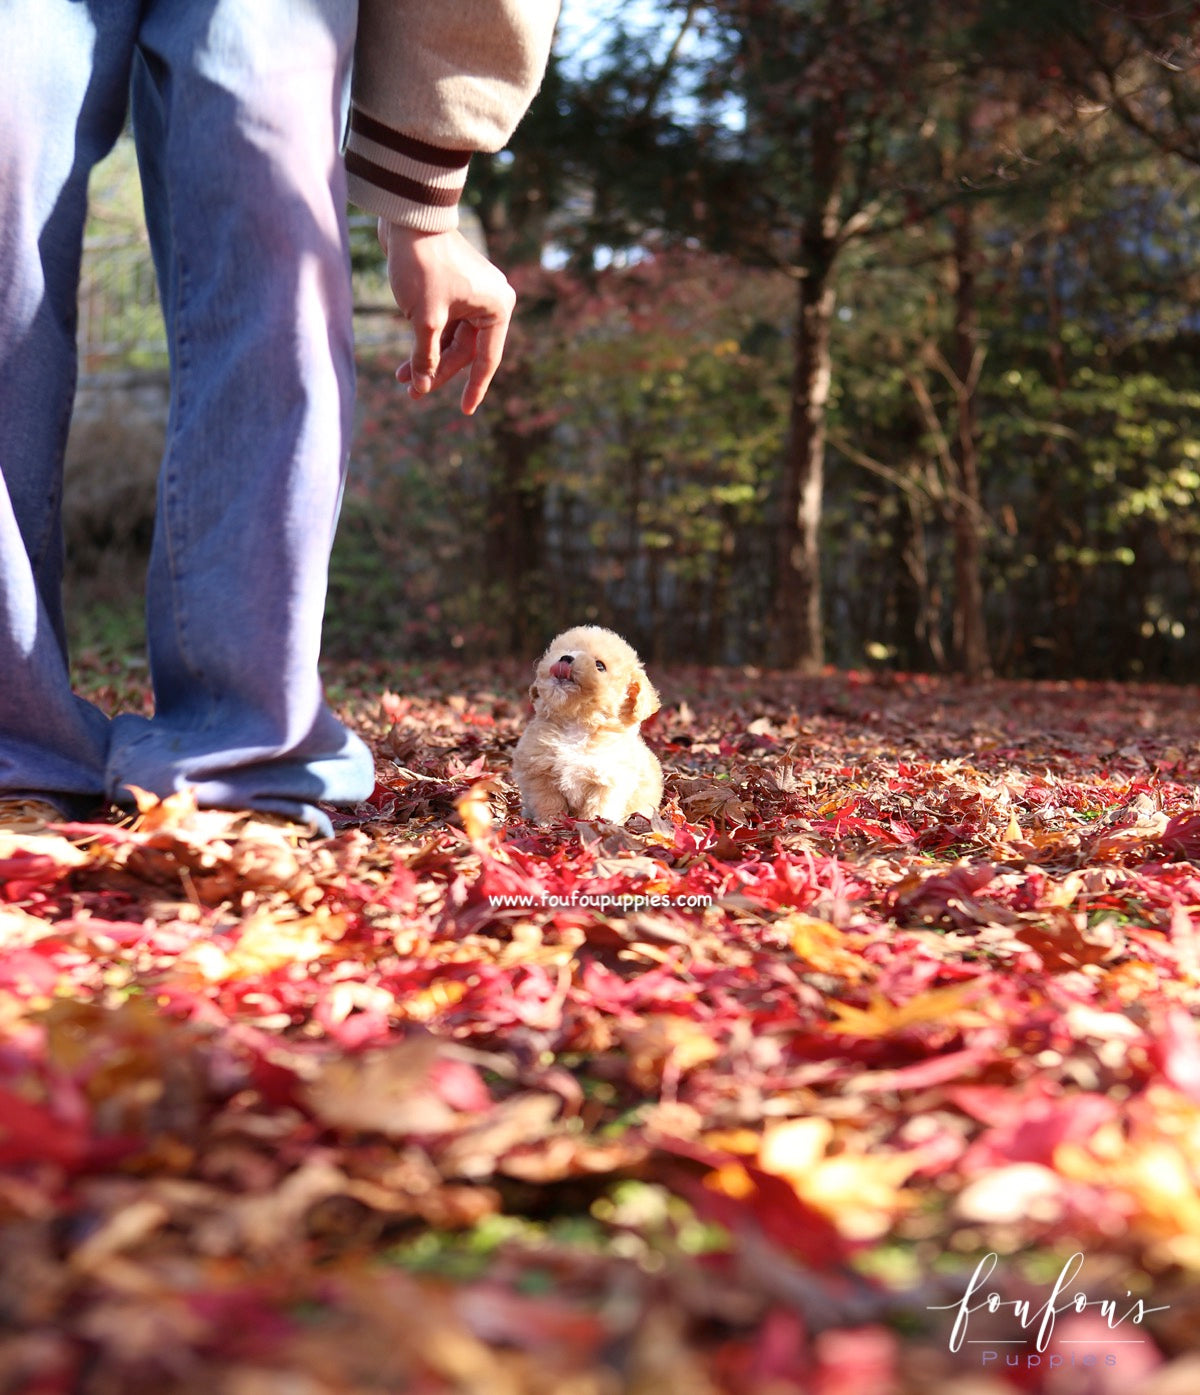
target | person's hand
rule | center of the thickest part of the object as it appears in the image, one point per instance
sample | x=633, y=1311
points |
x=459, y=306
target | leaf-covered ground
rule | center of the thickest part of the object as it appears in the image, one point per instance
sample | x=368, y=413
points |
x=891, y=1009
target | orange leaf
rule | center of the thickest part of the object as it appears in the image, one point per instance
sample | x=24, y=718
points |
x=882, y=1018
x=169, y=813
x=822, y=946
x=859, y=1192
x=475, y=810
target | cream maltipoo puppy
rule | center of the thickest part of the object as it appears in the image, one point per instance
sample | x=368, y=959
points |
x=583, y=753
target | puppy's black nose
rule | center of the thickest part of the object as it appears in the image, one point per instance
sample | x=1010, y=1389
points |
x=567, y=659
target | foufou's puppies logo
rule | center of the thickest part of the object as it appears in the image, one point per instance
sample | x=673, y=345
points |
x=1123, y=1317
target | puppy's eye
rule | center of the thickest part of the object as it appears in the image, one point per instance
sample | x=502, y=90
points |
x=601, y=667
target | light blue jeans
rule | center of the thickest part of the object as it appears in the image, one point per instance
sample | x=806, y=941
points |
x=237, y=108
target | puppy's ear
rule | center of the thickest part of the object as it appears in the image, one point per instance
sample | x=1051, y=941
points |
x=641, y=701
x=535, y=696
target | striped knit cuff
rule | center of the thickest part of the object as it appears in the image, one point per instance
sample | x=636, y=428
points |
x=402, y=179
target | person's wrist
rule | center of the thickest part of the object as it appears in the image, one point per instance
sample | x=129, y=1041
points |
x=405, y=232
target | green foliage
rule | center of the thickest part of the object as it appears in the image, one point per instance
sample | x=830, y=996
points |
x=647, y=428
x=676, y=428
x=647, y=407
x=108, y=633
x=656, y=212
x=1086, y=409
x=412, y=509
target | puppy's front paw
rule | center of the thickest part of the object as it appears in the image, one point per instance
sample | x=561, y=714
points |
x=544, y=811
x=608, y=805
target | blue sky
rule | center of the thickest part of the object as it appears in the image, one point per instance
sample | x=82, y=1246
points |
x=583, y=23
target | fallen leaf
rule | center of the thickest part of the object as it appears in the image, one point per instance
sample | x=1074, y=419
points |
x=883, y=1018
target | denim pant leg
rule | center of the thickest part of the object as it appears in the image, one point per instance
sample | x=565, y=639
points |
x=64, y=72
x=237, y=116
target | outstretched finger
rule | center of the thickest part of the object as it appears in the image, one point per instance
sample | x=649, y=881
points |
x=489, y=350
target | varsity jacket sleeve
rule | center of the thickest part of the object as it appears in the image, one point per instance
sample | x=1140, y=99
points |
x=434, y=81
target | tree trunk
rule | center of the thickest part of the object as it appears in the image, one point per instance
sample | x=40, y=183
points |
x=514, y=533
x=970, y=632
x=797, y=611
x=798, y=632
x=918, y=613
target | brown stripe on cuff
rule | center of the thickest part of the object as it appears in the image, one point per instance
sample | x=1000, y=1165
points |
x=400, y=184
x=367, y=126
